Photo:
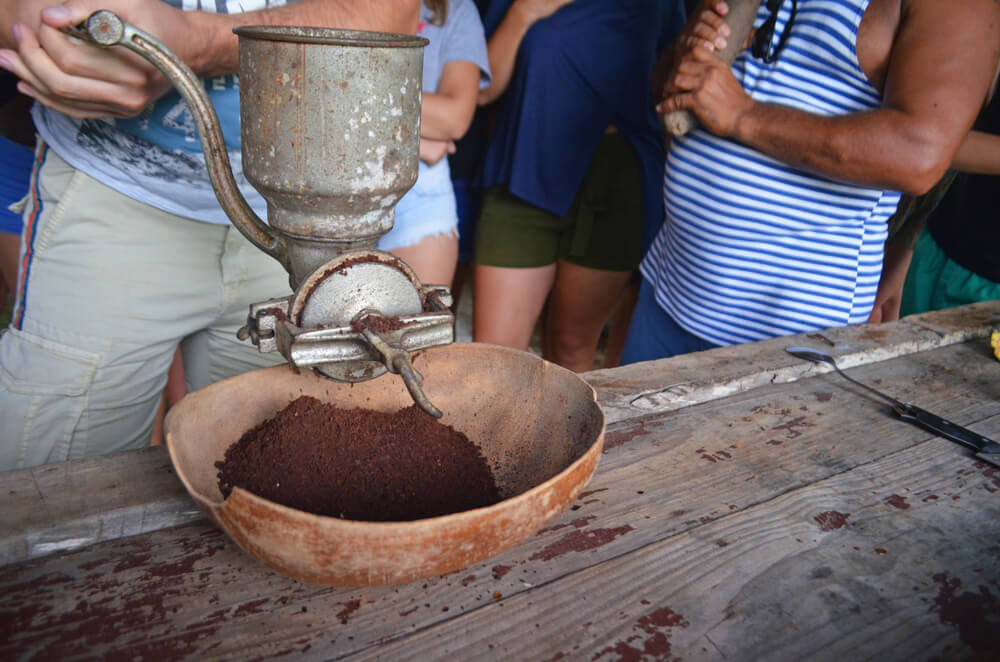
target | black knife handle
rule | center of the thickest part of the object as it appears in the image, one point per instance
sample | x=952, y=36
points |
x=945, y=428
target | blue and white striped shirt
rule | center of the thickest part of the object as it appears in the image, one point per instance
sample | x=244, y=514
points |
x=753, y=248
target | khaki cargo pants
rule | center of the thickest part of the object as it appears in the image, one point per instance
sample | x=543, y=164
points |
x=107, y=289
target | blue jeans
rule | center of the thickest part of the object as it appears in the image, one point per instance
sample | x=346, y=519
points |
x=653, y=333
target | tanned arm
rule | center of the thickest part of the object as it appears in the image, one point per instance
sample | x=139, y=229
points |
x=447, y=113
x=83, y=81
x=941, y=65
x=504, y=43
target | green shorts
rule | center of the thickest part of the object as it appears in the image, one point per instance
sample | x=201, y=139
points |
x=602, y=231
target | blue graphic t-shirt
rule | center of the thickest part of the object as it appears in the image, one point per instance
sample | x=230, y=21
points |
x=156, y=157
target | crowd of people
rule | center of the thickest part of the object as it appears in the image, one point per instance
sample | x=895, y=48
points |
x=841, y=172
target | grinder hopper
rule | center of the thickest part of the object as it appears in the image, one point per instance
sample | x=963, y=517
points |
x=330, y=138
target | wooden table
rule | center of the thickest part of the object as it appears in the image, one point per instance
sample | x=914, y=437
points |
x=748, y=506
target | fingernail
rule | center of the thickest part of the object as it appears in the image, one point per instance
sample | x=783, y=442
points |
x=5, y=62
x=56, y=14
x=18, y=31
x=720, y=43
x=25, y=89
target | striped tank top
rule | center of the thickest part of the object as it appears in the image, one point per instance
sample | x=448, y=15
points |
x=753, y=248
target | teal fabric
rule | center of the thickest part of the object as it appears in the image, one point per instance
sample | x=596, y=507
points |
x=934, y=281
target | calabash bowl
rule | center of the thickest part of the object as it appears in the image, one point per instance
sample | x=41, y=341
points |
x=537, y=424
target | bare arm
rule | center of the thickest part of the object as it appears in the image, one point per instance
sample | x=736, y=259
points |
x=504, y=43
x=931, y=98
x=447, y=113
x=979, y=154
x=84, y=81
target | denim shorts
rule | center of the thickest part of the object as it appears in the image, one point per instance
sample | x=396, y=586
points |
x=15, y=173
x=427, y=210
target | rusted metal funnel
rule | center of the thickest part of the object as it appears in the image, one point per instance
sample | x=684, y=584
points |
x=330, y=131
x=538, y=426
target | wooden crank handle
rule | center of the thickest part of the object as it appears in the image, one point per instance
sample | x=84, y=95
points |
x=740, y=18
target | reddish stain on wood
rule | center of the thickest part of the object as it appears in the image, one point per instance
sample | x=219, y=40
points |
x=578, y=523
x=579, y=541
x=897, y=502
x=500, y=570
x=792, y=426
x=651, y=638
x=973, y=613
x=831, y=520
x=350, y=607
x=468, y=580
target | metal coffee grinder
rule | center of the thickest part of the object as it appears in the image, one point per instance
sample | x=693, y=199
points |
x=330, y=138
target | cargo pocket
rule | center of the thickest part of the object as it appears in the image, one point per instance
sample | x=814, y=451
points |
x=44, y=390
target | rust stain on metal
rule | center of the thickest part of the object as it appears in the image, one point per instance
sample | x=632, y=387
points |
x=579, y=541
x=651, y=639
x=831, y=520
x=897, y=501
x=973, y=614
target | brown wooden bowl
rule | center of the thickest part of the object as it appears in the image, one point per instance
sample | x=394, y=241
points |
x=538, y=426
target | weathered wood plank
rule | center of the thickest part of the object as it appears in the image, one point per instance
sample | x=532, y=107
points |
x=682, y=381
x=896, y=560
x=104, y=498
x=69, y=505
x=662, y=475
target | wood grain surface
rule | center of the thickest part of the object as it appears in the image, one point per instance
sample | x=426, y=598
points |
x=794, y=519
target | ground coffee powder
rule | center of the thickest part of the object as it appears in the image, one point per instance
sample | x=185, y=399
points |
x=359, y=464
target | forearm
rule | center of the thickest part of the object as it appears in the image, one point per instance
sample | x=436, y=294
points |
x=445, y=118
x=216, y=52
x=23, y=11
x=502, y=51
x=978, y=154
x=881, y=148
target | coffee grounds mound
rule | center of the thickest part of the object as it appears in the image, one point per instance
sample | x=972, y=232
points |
x=359, y=464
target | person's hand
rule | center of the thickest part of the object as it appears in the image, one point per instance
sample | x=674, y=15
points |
x=80, y=79
x=708, y=29
x=432, y=151
x=536, y=10
x=704, y=84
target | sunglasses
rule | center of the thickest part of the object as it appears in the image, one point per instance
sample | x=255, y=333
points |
x=762, y=47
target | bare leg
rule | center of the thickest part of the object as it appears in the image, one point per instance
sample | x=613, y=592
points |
x=890, y=286
x=10, y=245
x=581, y=302
x=620, y=320
x=172, y=393
x=508, y=302
x=433, y=258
